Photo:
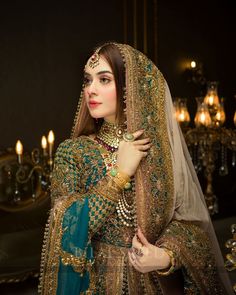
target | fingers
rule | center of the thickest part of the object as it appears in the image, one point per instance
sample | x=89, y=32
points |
x=142, y=141
x=144, y=154
x=137, y=134
x=133, y=261
x=143, y=147
x=142, y=238
x=136, y=243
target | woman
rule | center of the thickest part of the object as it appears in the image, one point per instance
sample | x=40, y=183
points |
x=128, y=214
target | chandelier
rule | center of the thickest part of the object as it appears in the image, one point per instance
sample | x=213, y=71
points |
x=209, y=140
x=33, y=169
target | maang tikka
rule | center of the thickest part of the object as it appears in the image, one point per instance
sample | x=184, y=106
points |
x=94, y=59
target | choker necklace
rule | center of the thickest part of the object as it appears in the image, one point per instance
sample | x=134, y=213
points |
x=110, y=135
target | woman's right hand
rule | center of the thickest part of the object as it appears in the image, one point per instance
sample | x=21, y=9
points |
x=131, y=153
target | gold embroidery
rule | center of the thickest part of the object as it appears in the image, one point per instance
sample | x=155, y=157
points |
x=78, y=263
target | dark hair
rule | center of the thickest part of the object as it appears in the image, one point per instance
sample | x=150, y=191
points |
x=112, y=55
x=114, y=58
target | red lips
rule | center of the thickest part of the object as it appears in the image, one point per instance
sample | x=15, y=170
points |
x=94, y=103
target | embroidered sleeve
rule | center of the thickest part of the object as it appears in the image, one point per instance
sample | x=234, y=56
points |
x=190, y=250
x=69, y=179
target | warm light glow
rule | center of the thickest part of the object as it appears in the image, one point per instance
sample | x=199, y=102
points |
x=183, y=116
x=193, y=64
x=44, y=142
x=51, y=137
x=19, y=147
x=181, y=112
x=220, y=116
x=202, y=117
x=235, y=119
x=212, y=98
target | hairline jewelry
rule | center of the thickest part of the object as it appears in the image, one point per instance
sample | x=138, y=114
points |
x=94, y=59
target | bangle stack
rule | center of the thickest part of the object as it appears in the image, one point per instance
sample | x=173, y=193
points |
x=120, y=178
x=125, y=210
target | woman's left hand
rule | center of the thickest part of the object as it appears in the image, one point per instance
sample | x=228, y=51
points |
x=146, y=257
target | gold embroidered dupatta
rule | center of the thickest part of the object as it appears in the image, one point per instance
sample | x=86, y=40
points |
x=166, y=184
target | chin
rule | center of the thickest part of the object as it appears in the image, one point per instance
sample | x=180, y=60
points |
x=96, y=115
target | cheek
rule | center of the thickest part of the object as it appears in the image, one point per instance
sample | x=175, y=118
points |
x=86, y=94
x=111, y=97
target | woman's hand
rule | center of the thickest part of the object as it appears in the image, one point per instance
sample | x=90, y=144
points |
x=146, y=257
x=131, y=153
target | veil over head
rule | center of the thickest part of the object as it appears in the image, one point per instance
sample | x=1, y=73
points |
x=166, y=184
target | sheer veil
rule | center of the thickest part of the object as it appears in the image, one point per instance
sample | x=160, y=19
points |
x=190, y=205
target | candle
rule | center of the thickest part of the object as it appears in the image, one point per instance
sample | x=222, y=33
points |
x=51, y=139
x=44, y=145
x=193, y=64
x=19, y=151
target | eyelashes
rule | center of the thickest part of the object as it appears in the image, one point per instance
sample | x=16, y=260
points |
x=86, y=81
x=103, y=80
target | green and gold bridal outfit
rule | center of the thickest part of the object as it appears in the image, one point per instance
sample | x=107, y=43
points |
x=93, y=220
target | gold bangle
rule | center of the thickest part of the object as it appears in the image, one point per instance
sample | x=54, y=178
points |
x=171, y=269
x=120, y=178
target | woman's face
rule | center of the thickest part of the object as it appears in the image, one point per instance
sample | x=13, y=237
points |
x=100, y=90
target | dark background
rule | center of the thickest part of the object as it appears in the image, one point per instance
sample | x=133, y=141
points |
x=43, y=48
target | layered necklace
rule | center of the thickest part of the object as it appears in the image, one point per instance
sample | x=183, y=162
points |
x=109, y=136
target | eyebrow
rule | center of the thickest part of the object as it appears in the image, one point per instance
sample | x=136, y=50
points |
x=99, y=73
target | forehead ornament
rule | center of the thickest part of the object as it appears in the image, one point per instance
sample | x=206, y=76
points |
x=94, y=60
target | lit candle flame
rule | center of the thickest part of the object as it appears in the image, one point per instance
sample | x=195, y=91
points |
x=193, y=64
x=19, y=147
x=202, y=118
x=44, y=142
x=211, y=100
x=181, y=116
x=51, y=137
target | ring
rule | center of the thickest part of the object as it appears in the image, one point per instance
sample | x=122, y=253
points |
x=138, y=252
x=129, y=137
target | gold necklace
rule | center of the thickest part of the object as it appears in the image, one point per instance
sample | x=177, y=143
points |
x=110, y=135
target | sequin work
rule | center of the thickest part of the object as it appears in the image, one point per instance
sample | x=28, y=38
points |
x=86, y=241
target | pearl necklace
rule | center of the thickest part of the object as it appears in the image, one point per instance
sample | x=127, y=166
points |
x=126, y=212
x=109, y=136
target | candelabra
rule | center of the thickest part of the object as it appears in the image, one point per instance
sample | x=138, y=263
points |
x=209, y=141
x=230, y=263
x=28, y=177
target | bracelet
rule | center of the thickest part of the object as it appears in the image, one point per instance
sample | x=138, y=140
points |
x=171, y=269
x=120, y=178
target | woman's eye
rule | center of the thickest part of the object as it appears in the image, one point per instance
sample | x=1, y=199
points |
x=87, y=81
x=104, y=80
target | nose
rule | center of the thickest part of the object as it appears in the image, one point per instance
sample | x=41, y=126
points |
x=92, y=88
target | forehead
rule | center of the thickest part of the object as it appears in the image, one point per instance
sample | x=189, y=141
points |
x=102, y=65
